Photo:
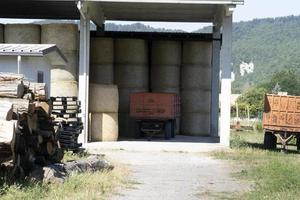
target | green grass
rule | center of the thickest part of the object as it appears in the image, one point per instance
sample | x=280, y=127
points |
x=98, y=185
x=272, y=174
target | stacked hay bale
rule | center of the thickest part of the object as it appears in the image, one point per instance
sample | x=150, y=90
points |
x=1, y=33
x=165, y=68
x=64, y=81
x=102, y=61
x=131, y=75
x=195, y=88
x=104, y=104
x=22, y=34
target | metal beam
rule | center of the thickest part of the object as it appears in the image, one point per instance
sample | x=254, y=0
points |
x=84, y=65
x=226, y=67
x=215, y=83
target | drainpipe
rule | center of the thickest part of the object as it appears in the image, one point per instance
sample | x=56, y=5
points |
x=19, y=63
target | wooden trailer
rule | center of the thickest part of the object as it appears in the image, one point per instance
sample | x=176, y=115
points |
x=281, y=120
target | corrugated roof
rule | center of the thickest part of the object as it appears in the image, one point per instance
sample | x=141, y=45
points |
x=135, y=10
x=49, y=50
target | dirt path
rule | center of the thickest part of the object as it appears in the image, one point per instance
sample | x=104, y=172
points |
x=172, y=176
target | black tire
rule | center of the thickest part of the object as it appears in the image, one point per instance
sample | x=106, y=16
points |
x=168, y=130
x=270, y=140
x=298, y=143
x=173, y=128
x=137, y=130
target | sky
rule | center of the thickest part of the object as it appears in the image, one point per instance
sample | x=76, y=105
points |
x=251, y=10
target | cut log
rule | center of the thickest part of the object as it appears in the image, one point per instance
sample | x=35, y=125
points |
x=7, y=131
x=6, y=111
x=12, y=90
x=58, y=173
x=39, y=90
x=19, y=105
x=10, y=77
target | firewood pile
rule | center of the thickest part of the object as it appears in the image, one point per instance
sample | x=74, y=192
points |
x=65, y=111
x=28, y=136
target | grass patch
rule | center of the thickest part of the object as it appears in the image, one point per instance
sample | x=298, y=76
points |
x=275, y=175
x=98, y=185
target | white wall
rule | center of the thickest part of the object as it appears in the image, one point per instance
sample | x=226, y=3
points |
x=29, y=67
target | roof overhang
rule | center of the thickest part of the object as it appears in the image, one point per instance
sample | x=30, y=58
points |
x=50, y=51
x=127, y=10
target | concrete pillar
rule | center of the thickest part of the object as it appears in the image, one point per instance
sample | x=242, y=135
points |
x=215, y=83
x=226, y=67
x=84, y=68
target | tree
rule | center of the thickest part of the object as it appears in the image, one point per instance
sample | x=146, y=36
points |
x=254, y=99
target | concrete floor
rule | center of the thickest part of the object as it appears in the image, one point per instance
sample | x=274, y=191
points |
x=171, y=170
x=179, y=144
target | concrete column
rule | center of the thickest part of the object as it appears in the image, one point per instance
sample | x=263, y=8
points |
x=226, y=67
x=84, y=68
x=215, y=83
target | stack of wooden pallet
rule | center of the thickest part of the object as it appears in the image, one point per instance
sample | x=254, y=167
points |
x=65, y=111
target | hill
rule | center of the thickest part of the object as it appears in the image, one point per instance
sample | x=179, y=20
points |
x=271, y=44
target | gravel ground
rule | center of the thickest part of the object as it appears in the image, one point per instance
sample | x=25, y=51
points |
x=172, y=176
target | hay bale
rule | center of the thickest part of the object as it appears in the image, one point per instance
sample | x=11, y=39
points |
x=166, y=53
x=65, y=36
x=195, y=100
x=1, y=33
x=102, y=51
x=103, y=98
x=135, y=76
x=127, y=125
x=197, y=53
x=66, y=72
x=131, y=51
x=102, y=74
x=193, y=76
x=166, y=90
x=22, y=34
x=64, y=89
x=165, y=76
x=196, y=124
x=104, y=127
x=124, y=97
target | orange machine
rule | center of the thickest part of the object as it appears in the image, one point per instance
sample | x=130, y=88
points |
x=155, y=113
x=282, y=119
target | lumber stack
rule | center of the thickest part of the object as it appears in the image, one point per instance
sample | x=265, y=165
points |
x=65, y=111
x=27, y=134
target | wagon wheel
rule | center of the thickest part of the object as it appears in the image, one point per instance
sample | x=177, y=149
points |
x=270, y=140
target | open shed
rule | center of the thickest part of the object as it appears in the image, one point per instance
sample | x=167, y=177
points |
x=218, y=12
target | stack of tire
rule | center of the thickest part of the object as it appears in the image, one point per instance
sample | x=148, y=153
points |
x=131, y=75
x=102, y=61
x=165, y=68
x=64, y=78
x=103, y=107
x=195, y=88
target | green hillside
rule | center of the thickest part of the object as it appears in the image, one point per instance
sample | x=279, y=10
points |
x=271, y=44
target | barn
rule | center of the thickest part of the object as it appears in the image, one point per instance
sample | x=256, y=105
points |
x=185, y=63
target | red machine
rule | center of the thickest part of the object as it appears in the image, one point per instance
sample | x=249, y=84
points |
x=155, y=113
